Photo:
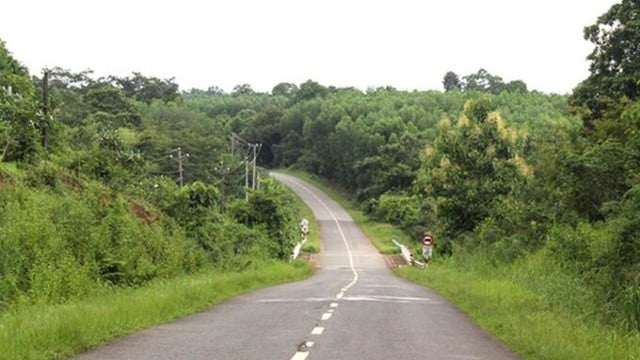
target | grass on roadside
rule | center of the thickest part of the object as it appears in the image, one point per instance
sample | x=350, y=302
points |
x=530, y=326
x=57, y=331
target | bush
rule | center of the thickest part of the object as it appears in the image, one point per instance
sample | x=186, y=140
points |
x=270, y=208
x=233, y=246
x=410, y=212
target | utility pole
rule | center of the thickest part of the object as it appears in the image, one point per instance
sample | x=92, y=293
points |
x=180, y=159
x=253, y=182
x=256, y=149
x=180, y=170
x=45, y=109
x=246, y=178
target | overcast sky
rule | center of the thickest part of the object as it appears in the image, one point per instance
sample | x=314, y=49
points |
x=401, y=43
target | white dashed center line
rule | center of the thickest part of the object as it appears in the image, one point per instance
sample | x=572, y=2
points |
x=300, y=355
x=318, y=330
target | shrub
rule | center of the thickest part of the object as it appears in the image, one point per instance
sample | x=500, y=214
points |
x=269, y=208
x=398, y=209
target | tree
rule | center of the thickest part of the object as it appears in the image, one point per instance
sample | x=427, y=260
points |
x=614, y=62
x=516, y=86
x=214, y=90
x=9, y=65
x=60, y=78
x=66, y=90
x=470, y=167
x=284, y=89
x=18, y=117
x=483, y=81
x=111, y=100
x=599, y=165
x=242, y=89
x=264, y=130
x=147, y=89
x=309, y=90
x=451, y=82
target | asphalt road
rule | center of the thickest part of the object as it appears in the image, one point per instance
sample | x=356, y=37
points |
x=352, y=308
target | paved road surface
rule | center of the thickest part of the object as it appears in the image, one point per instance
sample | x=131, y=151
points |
x=352, y=308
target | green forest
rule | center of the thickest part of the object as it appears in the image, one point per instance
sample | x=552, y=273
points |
x=116, y=181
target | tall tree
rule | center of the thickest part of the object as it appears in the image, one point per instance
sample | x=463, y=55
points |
x=451, y=82
x=18, y=135
x=483, y=81
x=112, y=101
x=309, y=90
x=599, y=169
x=470, y=167
x=242, y=89
x=516, y=86
x=284, y=89
x=147, y=89
x=614, y=64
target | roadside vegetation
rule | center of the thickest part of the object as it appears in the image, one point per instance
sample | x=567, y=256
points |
x=533, y=306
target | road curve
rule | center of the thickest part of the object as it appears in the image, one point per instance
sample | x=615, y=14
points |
x=352, y=308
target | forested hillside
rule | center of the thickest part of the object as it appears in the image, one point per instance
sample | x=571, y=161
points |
x=113, y=182
x=91, y=170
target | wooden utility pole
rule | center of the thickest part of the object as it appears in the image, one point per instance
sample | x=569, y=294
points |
x=255, y=149
x=180, y=159
x=246, y=178
x=253, y=182
x=44, y=130
x=180, y=170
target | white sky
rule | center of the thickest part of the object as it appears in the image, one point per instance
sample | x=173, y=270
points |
x=402, y=43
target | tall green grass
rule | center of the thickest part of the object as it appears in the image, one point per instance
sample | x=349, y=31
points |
x=537, y=317
x=57, y=331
